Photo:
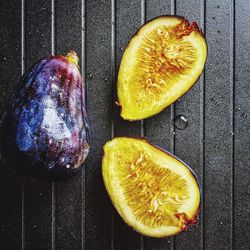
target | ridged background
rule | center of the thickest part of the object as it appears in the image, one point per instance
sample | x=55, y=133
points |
x=77, y=214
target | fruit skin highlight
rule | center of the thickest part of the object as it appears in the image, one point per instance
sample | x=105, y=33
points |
x=186, y=215
x=162, y=62
x=45, y=132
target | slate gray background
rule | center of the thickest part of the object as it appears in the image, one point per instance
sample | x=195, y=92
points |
x=77, y=214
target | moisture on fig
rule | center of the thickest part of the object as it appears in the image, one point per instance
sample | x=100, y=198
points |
x=45, y=132
x=161, y=62
x=152, y=190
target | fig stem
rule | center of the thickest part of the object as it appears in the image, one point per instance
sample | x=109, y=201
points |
x=72, y=57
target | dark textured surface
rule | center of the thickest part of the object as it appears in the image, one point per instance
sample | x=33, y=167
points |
x=218, y=125
x=241, y=194
x=77, y=214
x=97, y=228
x=10, y=185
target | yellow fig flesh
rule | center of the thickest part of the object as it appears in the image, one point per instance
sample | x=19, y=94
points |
x=152, y=190
x=162, y=62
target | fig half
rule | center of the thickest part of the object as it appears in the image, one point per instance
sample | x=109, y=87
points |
x=152, y=190
x=161, y=62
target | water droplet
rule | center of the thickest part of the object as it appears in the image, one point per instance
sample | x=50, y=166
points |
x=42, y=34
x=103, y=40
x=121, y=49
x=221, y=222
x=35, y=226
x=173, y=133
x=29, y=33
x=214, y=101
x=213, y=17
x=51, y=165
x=43, y=45
x=67, y=166
x=105, y=79
x=46, y=126
x=232, y=134
x=4, y=58
x=50, y=141
x=180, y=122
x=62, y=159
x=89, y=76
x=40, y=194
x=162, y=126
x=238, y=109
x=244, y=116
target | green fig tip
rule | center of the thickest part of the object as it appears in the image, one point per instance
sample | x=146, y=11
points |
x=72, y=57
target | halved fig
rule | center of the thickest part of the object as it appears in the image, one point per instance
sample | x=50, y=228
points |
x=152, y=190
x=161, y=62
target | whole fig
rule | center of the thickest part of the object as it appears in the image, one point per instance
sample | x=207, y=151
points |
x=45, y=132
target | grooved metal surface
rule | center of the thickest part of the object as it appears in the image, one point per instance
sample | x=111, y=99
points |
x=77, y=214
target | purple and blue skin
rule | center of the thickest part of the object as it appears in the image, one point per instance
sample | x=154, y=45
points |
x=47, y=128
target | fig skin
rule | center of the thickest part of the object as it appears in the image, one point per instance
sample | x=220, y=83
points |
x=45, y=132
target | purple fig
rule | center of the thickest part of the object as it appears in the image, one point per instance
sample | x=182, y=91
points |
x=46, y=132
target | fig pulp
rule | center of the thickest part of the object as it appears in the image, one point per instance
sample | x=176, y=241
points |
x=153, y=191
x=45, y=132
x=161, y=62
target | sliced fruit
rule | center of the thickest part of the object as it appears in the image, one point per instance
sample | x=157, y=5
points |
x=161, y=62
x=152, y=190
